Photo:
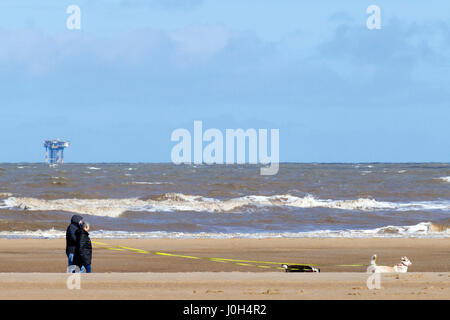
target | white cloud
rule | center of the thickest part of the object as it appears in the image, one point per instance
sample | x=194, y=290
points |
x=201, y=42
x=397, y=65
x=163, y=4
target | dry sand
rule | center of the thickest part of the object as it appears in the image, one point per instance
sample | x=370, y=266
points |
x=33, y=269
x=224, y=285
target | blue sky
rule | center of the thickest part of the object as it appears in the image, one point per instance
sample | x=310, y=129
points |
x=138, y=69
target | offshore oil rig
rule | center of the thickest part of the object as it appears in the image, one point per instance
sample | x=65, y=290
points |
x=54, y=150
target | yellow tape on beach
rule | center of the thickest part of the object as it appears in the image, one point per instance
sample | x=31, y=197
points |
x=267, y=262
x=247, y=263
x=175, y=255
x=133, y=249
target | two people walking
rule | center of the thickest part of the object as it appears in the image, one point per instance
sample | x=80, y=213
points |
x=78, y=245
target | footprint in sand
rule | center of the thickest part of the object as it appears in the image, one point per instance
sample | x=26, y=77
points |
x=268, y=291
x=213, y=291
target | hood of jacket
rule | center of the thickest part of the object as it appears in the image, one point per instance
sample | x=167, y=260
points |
x=76, y=219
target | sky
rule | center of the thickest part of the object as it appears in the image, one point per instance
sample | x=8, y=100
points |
x=139, y=69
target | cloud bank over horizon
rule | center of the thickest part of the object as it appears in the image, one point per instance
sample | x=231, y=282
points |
x=338, y=97
x=405, y=63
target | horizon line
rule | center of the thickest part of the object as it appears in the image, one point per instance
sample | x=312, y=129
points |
x=241, y=164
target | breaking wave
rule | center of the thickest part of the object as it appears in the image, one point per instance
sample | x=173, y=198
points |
x=180, y=202
x=421, y=230
x=445, y=179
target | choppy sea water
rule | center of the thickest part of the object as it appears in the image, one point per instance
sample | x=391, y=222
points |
x=190, y=201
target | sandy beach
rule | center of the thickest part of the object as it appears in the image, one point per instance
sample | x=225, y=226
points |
x=226, y=269
x=224, y=285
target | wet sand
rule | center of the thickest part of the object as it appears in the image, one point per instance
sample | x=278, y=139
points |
x=197, y=269
x=32, y=255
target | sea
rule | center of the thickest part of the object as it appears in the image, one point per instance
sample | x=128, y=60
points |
x=141, y=200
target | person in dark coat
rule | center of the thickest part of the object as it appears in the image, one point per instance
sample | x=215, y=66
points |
x=83, y=252
x=71, y=240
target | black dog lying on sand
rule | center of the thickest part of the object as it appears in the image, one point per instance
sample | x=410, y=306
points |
x=299, y=268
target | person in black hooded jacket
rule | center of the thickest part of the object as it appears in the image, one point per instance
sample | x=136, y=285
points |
x=83, y=252
x=71, y=239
